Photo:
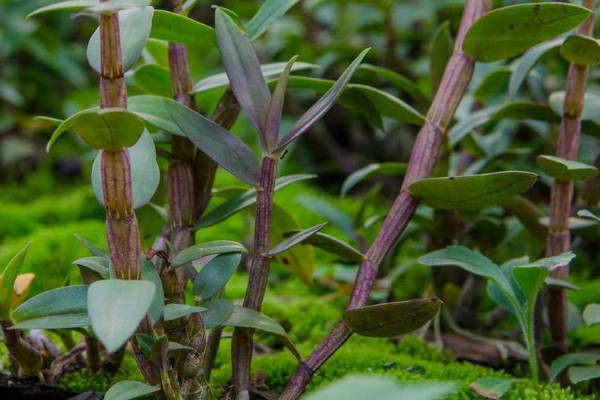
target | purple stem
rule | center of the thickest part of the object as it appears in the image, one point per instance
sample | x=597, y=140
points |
x=561, y=197
x=423, y=159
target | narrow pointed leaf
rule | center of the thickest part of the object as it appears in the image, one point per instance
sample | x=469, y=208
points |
x=389, y=168
x=566, y=170
x=99, y=264
x=440, y=50
x=523, y=65
x=71, y=5
x=404, y=84
x=243, y=317
x=588, y=214
x=206, y=249
x=243, y=69
x=223, y=147
x=567, y=360
x=244, y=200
x=116, y=307
x=267, y=15
x=333, y=245
x=174, y=311
x=509, y=31
x=581, y=50
x=323, y=105
x=579, y=374
x=471, y=192
x=94, y=250
x=294, y=240
x=560, y=284
x=152, y=110
x=215, y=275
x=591, y=314
x=273, y=117
x=330, y=212
x=491, y=387
x=391, y=319
x=492, y=84
x=177, y=28
x=115, y=5
x=126, y=390
x=9, y=275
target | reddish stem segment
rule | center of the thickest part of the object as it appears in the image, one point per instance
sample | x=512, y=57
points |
x=423, y=159
x=559, y=237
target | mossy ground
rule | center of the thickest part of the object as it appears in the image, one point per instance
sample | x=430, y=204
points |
x=307, y=313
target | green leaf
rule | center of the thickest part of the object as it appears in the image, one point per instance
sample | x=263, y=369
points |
x=94, y=250
x=560, y=284
x=320, y=108
x=175, y=311
x=333, y=245
x=150, y=274
x=206, y=249
x=591, y=314
x=222, y=146
x=471, y=192
x=126, y=390
x=401, y=82
x=267, y=15
x=269, y=71
x=567, y=360
x=574, y=223
x=215, y=275
x=492, y=83
x=243, y=69
x=154, y=79
x=530, y=281
x=294, y=240
x=299, y=260
x=591, y=109
x=99, y=264
x=579, y=374
x=523, y=65
x=145, y=174
x=509, y=31
x=275, y=109
x=71, y=5
x=243, y=317
x=152, y=110
x=134, y=27
x=116, y=307
x=388, y=168
x=491, y=387
x=588, y=214
x=566, y=170
x=109, y=128
x=177, y=28
x=391, y=319
x=242, y=201
x=217, y=311
x=440, y=51
x=9, y=275
x=552, y=262
x=581, y=50
x=330, y=212
x=115, y=5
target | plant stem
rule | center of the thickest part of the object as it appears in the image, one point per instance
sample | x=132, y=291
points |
x=28, y=358
x=559, y=237
x=423, y=159
x=242, y=344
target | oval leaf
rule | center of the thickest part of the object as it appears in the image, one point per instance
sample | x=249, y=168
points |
x=471, y=192
x=509, y=31
x=108, y=129
x=581, y=50
x=177, y=28
x=175, y=311
x=206, y=249
x=491, y=387
x=126, y=390
x=567, y=360
x=566, y=170
x=215, y=275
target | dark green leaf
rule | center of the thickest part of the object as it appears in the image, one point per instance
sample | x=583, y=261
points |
x=154, y=79
x=581, y=50
x=579, y=374
x=404, y=84
x=95, y=251
x=330, y=212
x=275, y=110
x=566, y=170
x=99, y=264
x=567, y=360
x=333, y=245
x=9, y=275
x=492, y=83
x=206, y=249
x=243, y=317
x=388, y=168
x=294, y=240
x=215, y=275
x=126, y=390
x=61, y=301
x=267, y=15
x=152, y=110
x=522, y=66
x=491, y=387
x=174, y=311
x=440, y=51
x=177, y=28
x=109, y=129
x=217, y=311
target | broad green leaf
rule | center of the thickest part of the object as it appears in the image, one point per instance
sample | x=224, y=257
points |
x=99, y=264
x=299, y=260
x=530, y=281
x=466, y=259
x=145, y=174
x=591, y=314
x=215, y=275
x=269, y=71
x=71, y=5
x=388, y=168
x=440, y=51
x=588, y=214
x=242, y=201
x=116, y=307
x=217, y=311
x=492, y=83
x=126, y=390
x=243, y=69
x=275, y=109
x=267, y=15
x=333, y=245
x=391, y=319
x=567, y=360
x=359, y=387
x=522, y=66
x=320, y=108
x=591, y=109
x=108, y=129
x=206, y=249
x=509, y=31
x=223, y=147
x=354, y=95
x=152, y=110
x=294, y=240
x=471, y=192
x=175, y=311
x=242, y=317
x=566, y=170
x=177, y=28
x=404, y=84
x=154, y=79
x=134, y=28
x=60, y=308
x=9, y=276
x=579, y=374
x=491, y=387
x=581, y=50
